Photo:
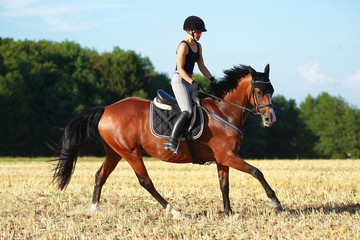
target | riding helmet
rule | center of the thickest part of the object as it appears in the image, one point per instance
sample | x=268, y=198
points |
x=194, y=23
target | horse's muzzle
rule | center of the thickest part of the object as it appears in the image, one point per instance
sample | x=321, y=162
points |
x=268, y=118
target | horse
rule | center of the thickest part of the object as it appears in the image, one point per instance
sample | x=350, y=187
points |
x=124, y=130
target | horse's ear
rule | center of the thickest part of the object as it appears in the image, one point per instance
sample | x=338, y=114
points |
x=267, y=69
x=251, y=70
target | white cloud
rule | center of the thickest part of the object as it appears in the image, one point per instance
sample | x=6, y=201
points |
x=311, y=72
x=13, y=4
x=352, y=82
x=63, y=15
x=337, y=46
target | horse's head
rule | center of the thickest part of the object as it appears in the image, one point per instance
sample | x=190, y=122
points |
x=261, y=95
x=244, y=86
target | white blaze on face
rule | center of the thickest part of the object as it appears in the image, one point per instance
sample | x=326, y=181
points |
x=268, y=117
x=273, y=119
x=273, y=116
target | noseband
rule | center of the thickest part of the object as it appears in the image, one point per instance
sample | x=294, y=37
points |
x=257, y=107
x=254, y=110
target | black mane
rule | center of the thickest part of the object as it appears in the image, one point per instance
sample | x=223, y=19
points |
x=230, y=81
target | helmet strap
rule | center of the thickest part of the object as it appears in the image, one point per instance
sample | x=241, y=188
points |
x=192, y=34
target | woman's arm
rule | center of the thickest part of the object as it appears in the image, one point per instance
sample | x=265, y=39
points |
x=203, y=69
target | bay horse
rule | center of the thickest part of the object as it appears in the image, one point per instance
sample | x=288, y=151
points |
x=124, y=129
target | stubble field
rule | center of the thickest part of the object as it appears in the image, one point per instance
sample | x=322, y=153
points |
x=321, y=200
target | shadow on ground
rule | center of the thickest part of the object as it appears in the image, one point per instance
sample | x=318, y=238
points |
x=327, y=209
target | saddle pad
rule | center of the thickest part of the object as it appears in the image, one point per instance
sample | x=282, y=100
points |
x=162, y=122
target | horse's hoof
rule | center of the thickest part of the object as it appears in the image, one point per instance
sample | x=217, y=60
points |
x=276, y=205
x=175, y=213
x=96, y=209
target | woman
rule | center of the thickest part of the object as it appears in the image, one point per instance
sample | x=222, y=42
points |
x=188, y=53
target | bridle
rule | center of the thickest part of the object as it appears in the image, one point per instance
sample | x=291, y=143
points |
x=256, y=106
x=254, y=110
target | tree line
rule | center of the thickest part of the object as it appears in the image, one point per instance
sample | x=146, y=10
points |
x=44, y=84
x=322, y=127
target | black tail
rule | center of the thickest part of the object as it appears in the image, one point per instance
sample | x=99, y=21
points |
x=79, y=136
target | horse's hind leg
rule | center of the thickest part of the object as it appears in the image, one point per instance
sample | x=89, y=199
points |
x=136, y=162
x=111, y=160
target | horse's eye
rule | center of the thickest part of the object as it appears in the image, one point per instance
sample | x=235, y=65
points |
x=258, y=92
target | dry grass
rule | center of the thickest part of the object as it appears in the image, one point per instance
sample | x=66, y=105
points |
x=321, y=201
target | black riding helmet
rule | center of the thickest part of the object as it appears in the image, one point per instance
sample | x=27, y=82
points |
x=194, y=23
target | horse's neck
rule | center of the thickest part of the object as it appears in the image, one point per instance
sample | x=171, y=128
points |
x=241, y=97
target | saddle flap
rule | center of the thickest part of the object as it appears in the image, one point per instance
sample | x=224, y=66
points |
x=162, y=121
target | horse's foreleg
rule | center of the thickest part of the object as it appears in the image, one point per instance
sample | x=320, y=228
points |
x=241, y=165
x=101, y=176
x=275, y=203
x=223, y=173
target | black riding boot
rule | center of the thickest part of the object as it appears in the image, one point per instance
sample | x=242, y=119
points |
x=180, y=121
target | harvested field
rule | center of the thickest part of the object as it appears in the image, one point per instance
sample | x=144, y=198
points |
x=321, y=200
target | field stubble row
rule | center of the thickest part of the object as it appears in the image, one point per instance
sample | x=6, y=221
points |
x=321, y=200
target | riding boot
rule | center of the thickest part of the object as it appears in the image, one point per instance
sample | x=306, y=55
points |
x=180, y=121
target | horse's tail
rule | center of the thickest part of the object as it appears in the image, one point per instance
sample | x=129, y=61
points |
x=79, y=136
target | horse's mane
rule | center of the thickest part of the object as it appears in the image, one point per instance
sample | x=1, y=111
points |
x=229, y=81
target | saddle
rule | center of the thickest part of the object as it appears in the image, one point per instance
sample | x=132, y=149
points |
x=163, y=111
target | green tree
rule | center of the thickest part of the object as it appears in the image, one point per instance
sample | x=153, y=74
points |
x=123, y=73
x=205, y=83
x=255, y=139
x=155, y=81
x=44, y=84
x=335, y=125
x=287, y=138
x=349, y=139
x=284, y=136
x=19, y=132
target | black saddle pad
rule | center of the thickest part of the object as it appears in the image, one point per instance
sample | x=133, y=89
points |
x=162, y=121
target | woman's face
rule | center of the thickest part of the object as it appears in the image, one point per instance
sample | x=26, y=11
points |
x=197, y=34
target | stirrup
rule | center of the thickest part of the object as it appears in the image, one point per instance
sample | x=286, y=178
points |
x=177, y=151
x=169, y=146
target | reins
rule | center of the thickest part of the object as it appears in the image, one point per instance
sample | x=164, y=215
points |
x=235, y=105
x=256, y=107
x=222, y=120
x=254, y=110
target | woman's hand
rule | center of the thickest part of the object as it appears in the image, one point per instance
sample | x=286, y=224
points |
x=196, y=85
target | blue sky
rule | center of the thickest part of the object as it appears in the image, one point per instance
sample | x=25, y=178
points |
x=311, y=45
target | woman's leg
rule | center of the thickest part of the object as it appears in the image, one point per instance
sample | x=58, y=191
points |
x=182, y=91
